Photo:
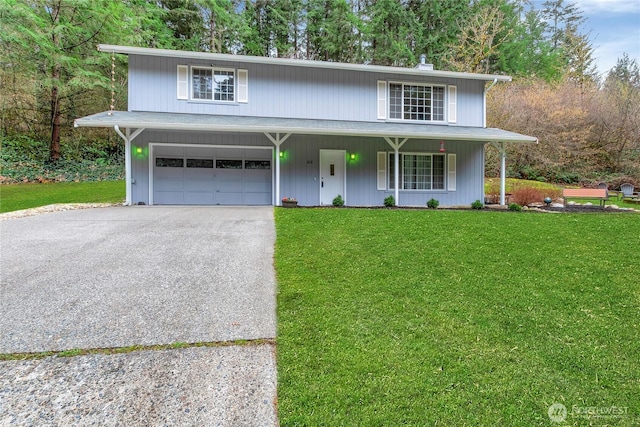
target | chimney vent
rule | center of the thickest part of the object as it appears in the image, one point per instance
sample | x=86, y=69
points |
x=423, y=64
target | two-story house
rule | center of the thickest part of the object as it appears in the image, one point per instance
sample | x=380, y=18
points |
x=211, y=129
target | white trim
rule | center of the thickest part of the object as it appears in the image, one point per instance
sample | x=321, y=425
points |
x=382, y=100
x=222, y=57
x=243, y=86
x=344, y=168
x=451, y=172
x=382, y=170
x=452, y=101
x=183, y=82
x=175, y=144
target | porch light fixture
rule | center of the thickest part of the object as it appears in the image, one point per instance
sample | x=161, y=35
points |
x=352, y=156
x=282, y=154
x=138, y=150
x=442, y=150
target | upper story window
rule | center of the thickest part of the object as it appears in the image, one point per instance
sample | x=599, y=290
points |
x=416, y=102
x=212, y=84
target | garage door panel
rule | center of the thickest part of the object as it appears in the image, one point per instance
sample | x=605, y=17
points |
x=168, y=173
x=199, y=198
x=257, y=187
x=193, y=173
x=169, y=197
x=229, y=153
x=169, y=185
x=199, y=185
x=229, y=199
x=229, y=186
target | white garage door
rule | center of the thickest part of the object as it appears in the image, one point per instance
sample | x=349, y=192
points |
x=211, y=176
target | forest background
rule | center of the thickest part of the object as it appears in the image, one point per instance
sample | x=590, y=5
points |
x=51, y=73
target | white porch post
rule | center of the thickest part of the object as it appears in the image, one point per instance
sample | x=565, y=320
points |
x=396, y=173
x=277, y=141
x=396, y=145
x=277, y=185
x=127, y=166
x=503, y=174
x=127, y=157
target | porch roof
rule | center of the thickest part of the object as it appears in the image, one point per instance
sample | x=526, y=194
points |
x=219, y=123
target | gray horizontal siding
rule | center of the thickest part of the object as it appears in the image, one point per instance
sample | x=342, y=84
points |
x=280, y=91
x=300, y=168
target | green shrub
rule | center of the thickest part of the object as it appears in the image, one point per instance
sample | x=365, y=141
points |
x=515, y=207
x=389, y=201
x=433, y=203
x=338, y=201
x=477, y=205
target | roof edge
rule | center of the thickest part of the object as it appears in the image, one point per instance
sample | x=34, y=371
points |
x=97, y=121
x=224, y=57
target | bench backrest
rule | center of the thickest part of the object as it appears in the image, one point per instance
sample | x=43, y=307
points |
x=627, y=189
x=595, y=193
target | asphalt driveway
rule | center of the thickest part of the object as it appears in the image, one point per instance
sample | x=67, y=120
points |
x=130, y=276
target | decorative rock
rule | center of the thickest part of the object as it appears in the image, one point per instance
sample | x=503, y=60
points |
x=613, y=207
x=560, y=205
x=571, y=203
x=588, y=204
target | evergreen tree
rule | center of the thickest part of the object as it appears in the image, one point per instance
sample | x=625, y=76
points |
x=392, y=32
x=331, y=31
x=50, y=47
x=439, y=25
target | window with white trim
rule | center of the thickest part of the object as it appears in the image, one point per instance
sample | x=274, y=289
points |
x=416, y=102
x=212, y=84
x=418, y=171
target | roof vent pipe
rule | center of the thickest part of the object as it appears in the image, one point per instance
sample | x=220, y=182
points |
x=423, y=64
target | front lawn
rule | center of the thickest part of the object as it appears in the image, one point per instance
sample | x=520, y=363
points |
x=23, y=196
x=419, y=317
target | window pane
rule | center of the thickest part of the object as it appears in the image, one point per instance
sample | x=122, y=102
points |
x=202, y=83
x=229, y=164
x=200, y=163
x=438, y=103
x=395, y=101
x=224, y=85
x=257, y=164
x=165, y=162
x=438, y=172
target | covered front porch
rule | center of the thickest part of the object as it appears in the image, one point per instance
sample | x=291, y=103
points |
x=296, y=145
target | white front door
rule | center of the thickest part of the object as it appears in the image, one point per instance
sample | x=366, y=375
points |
x=332, y=175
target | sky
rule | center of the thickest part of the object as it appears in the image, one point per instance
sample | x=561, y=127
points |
x=613, y=27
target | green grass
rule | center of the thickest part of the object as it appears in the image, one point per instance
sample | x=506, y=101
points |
x=457, y=318
x=492, y=185
x=612, y=201
x=23, y=196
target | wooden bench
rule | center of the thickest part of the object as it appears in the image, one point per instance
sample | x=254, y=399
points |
x=585, y=193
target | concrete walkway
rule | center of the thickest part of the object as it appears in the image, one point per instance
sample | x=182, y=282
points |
x=139, y=276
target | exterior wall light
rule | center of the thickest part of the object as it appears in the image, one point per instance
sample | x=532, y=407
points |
x=352, y=156
x=282, y=154
x=442, y=150
x=138, y=150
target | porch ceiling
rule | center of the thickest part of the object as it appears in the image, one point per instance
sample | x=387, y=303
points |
x=218, y=123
